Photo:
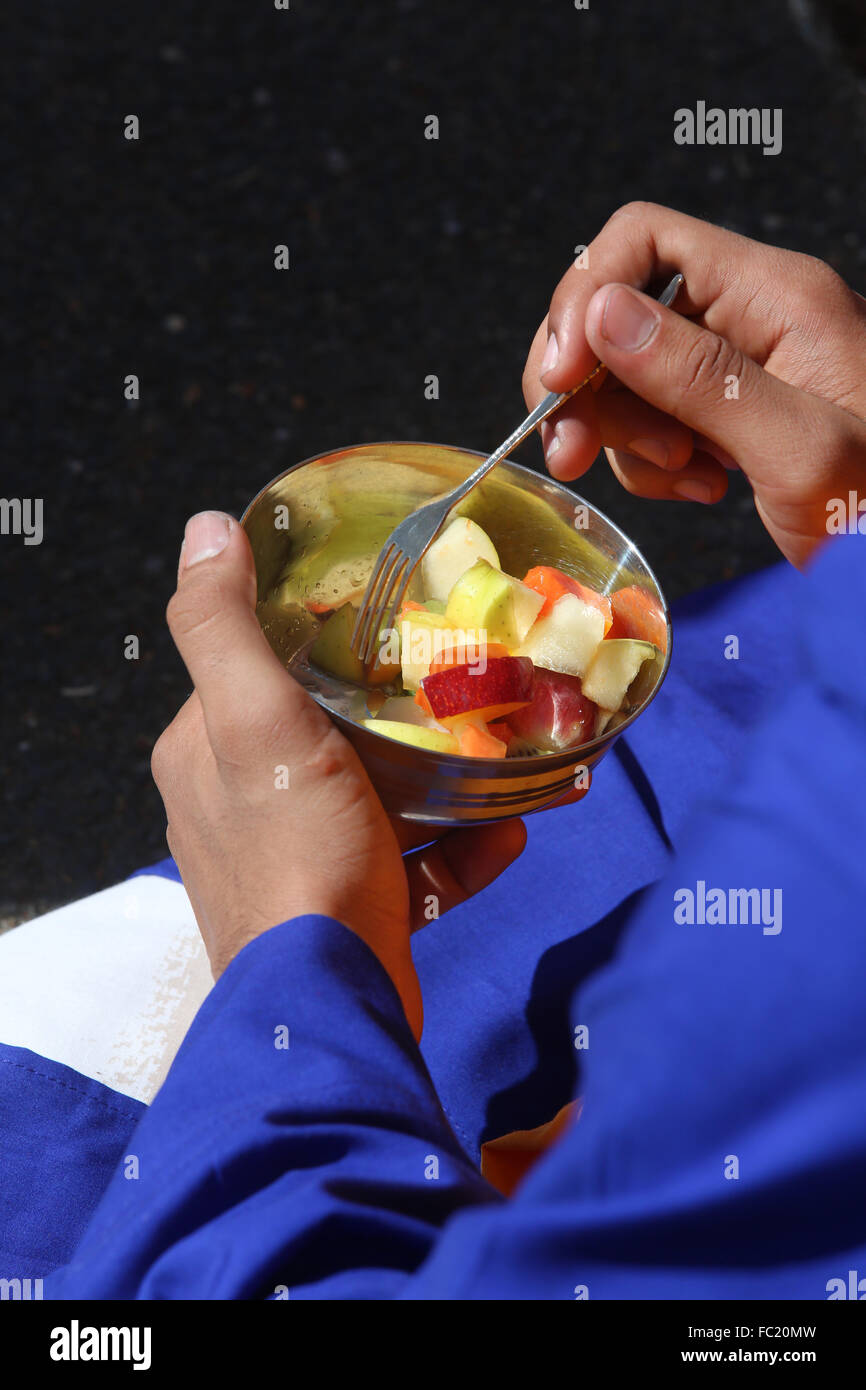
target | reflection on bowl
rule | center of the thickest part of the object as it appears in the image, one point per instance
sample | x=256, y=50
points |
x=316, y=531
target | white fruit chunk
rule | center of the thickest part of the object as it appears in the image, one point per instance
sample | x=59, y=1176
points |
x=565, y=639
x=613, y=668
x=602, y=719
x=452, y=554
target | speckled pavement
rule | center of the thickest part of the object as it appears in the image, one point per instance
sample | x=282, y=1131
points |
x=155, y=257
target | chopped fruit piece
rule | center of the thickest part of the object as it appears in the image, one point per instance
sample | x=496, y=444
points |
x=560, y=715
x=499, y=729
x=404, y=710
x=423, y=637
x=638, y=613
x=410, y=606
x=478, y=742
x=379, y=674
x=318, y=609
x=435, y=605
x=452, y=554
x=553, y=583
x=467, y=654
x=423, y=703
x=331, y=649
x=486, y=600
x=602, y=719
x=613, y=668
x=385, y=664
x=461, y=690
x=567, y=638
x=415, y=734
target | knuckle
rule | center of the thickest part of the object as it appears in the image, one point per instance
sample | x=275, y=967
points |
x=709, y=360
x=817, y=272
x=193, y=607
x=162, y=758
x=637, y=210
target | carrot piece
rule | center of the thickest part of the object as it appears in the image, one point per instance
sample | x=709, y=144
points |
x=552, y=583
x=478, y=742
x=638, y=613
x=422, y=702
x=499, y=729
x=411, y=607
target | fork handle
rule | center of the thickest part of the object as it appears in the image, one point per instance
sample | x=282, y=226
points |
x=551, y=402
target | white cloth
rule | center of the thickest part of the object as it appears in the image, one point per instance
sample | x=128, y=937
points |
x=108, y=985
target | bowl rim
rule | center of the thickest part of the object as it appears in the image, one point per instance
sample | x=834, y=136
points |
x=519, y=760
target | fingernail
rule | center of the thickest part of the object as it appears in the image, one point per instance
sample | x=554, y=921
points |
x=554, y=445
x=206, y=534
x=653, y=450
x=551, y=356
x=693, y=490
x=627, y=322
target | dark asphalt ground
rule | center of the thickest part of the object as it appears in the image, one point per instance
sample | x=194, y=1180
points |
x=408, y=257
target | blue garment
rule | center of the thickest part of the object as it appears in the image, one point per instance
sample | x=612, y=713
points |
x=721, y=1148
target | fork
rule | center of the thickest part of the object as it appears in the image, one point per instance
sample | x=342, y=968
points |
x=408, y=543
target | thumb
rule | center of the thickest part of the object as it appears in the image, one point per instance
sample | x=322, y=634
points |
x=702, y=380
x=239, y=679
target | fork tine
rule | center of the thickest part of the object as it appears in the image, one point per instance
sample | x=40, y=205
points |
x=399, y=586
x=362, y=619
x=377, y=602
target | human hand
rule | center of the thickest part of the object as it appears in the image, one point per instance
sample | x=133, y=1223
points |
x=760, y=366
x=270, y=812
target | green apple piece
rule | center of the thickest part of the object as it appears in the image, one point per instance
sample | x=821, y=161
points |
x=565, y=639
x=403, y=710
x=415, y=734
x=613, y=668
x=486, y=601
x=423, y=636
x=435, y=605
x=452, y=554
x=332, y=651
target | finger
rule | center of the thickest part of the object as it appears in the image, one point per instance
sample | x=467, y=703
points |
x=571, y=438
x=410, y=835
x=702, y=380
x=702, y=480
x=627, y=424
x=611, y=415
x=243, y=688
x=458, y=866
x=643, y=241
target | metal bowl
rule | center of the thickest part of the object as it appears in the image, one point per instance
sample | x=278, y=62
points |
x=315, y=532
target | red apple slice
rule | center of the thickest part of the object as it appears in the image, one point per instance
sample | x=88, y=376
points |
x=503, y=687
x=560, y=716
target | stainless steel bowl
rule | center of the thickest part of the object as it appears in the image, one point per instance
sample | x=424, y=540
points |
x=316, y=531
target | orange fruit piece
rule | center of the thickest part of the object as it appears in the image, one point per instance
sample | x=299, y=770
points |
x=552, y=583
x=638, y=613
x=478, y=742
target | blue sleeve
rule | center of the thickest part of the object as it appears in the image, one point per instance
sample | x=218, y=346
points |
x=722, y=1144
x=723, y=1137
x=297, y=1146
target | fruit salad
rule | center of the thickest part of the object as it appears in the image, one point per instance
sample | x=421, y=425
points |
x=492, y=666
